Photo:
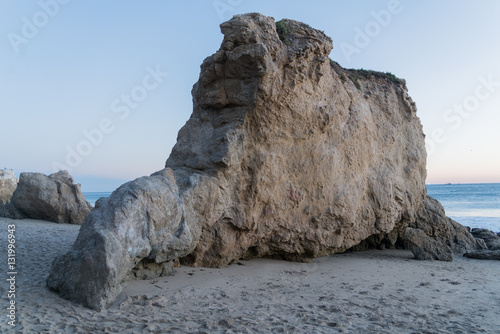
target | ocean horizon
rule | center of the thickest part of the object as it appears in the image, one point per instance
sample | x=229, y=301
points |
x=476, y=205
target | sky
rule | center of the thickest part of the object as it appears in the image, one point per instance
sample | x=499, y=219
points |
x=101, y=88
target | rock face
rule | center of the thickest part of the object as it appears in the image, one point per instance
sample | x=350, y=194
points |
x=444, y=233
x=8, y=183
x=425, y=247
x=310, y=158
x=54, y=198
x=149, y=229
x=431, y=236
x=286, y=155
x=491, y=239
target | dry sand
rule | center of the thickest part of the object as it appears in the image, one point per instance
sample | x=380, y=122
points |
x=366, y=292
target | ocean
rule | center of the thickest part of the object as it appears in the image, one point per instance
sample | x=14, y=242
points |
x=92, y=197
x=474, y=205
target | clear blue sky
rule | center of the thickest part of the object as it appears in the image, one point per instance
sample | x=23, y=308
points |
x=70, y=67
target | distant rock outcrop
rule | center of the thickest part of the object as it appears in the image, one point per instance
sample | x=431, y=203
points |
x=54, y=198
x=286, y=155
x=8, y=183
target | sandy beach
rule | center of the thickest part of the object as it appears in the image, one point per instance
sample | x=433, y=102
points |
x=366, y=292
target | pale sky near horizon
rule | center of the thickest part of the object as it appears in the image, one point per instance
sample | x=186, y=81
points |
x=67, y=67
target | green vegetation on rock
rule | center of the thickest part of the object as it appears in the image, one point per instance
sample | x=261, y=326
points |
x=283, y=31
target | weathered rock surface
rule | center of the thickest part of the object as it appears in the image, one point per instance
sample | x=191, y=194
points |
x=491, y=239
x=286, y=155
x=54, y=198
x=446, y=233
x=308, y=163
x=492, y=243
x=425, y=247
x=453, y=237
x=484, y=255
x=133, y=234
x=8, y=183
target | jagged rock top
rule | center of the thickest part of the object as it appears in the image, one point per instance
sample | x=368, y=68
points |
x=257, y=66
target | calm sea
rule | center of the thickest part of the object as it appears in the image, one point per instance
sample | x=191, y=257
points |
x=474, y=205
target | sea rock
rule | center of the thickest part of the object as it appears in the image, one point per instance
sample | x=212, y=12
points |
x=433, y=221
x=311, y=158
x=54, y=198
x=491, y=239
x=286, y=155
x=484, y=255
x=8, y=183
x=133, y=234
x=425, y=247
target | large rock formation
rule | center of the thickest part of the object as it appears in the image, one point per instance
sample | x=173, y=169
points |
x=286, y=155
x=54, y=198
x=8, y=183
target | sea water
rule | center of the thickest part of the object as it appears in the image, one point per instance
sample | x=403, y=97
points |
x=473, y=205
x=92, y=197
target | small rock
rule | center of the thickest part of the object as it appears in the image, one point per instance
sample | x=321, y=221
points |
x=491, y=239
x=484, y=255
